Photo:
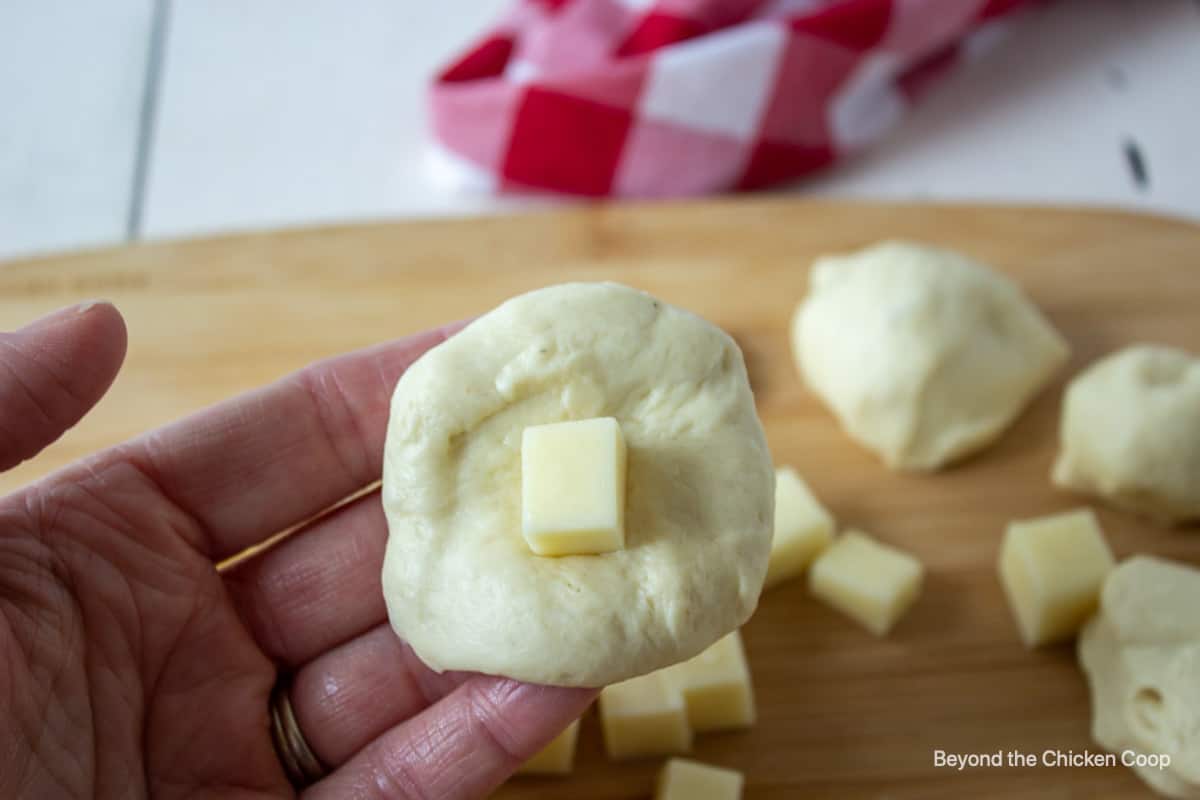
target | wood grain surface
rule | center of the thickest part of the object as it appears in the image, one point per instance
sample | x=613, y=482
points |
x=842, y=714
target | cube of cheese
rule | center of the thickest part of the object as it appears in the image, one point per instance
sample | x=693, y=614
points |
x=803, y=528
x=555, y=758
x=573, y=487
x=1052, y=569
x=716, y=686
x=871, y=582
x=644, y=716
x=681, y=779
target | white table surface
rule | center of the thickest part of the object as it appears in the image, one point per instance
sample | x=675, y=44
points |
x=140, y=119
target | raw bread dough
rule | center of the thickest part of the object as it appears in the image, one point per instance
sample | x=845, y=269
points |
x=463, y=588
x=1141, y=656
x=923, y=355
x=1131, y=432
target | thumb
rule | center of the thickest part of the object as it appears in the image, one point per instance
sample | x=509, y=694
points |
x=52, y=372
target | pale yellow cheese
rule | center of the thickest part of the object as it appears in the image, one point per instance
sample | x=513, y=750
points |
x=803, y=528
x=1141, y=655
x=1052, y=569
x=681, y=779
x=573, y=487
x=716, y=686
x=555, y=758
x=871, y=582
x=644, y=716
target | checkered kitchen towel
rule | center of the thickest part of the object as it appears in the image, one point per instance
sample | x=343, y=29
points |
x=654, y=98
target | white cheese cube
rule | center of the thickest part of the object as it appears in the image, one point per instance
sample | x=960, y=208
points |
x=573, y=487
x=803, y=528
x=644, y=716
x=716, y=686
x=555, y=758
x=1052, y=569
x=681, y=779
x=869, y=581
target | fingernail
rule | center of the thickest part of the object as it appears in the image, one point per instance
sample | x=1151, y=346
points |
x=88, y=305
x=60, y=315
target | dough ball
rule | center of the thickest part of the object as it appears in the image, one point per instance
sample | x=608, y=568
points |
x=1130, y=432
x=461, y=585
x=1141, y=657
x=923, y=355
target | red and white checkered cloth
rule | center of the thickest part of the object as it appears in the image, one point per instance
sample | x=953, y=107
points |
x=654, y=98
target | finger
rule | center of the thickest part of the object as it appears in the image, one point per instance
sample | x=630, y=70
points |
x=461, y=747
x=347, y=697
x=52, y=372
x=262, y=462
x=317, y=588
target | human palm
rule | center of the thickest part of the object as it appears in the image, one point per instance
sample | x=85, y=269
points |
x=131, y=666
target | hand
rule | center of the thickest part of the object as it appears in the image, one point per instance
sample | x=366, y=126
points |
x=131, y=665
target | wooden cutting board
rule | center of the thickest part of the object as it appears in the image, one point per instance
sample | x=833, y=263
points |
x=841, y=713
